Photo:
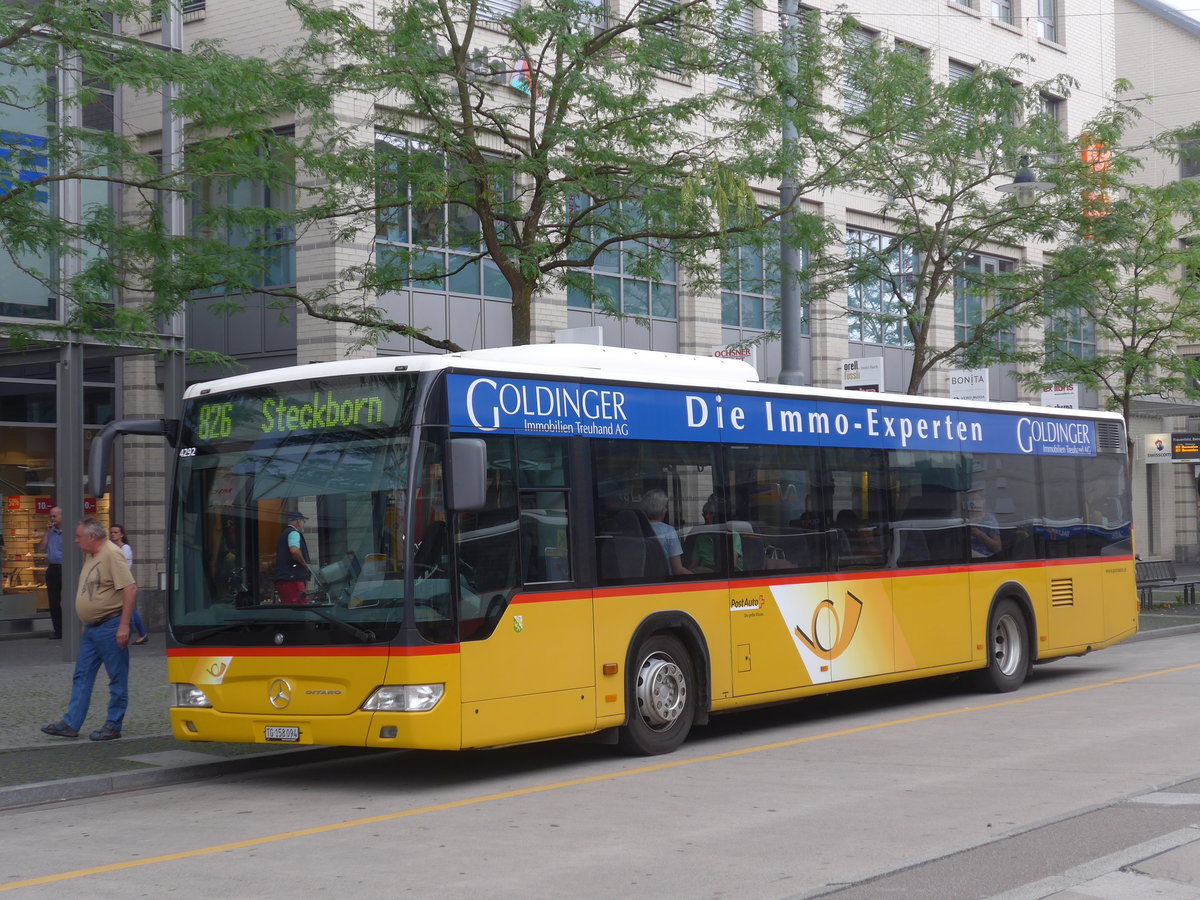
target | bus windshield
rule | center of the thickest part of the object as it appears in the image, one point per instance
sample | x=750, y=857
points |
x=289, y=514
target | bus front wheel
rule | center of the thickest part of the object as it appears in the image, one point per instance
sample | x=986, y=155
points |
x=662, y=705
x=1007, y=649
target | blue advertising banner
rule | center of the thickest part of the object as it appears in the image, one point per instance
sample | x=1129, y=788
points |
x=496, y=404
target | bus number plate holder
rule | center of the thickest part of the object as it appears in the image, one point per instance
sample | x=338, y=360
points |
x=285, y=733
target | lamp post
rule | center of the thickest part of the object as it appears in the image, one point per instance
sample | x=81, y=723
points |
x=791, y=313
x=1025, y=185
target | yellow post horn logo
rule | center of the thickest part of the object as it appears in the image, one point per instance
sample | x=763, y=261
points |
x=841, y=633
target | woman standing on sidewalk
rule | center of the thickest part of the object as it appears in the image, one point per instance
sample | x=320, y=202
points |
x=116, y=534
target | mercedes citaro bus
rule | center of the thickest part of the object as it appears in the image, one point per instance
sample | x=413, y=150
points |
x=529, y=543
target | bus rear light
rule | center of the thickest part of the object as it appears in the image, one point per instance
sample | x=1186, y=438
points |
x=190, y=695
x=405, y=697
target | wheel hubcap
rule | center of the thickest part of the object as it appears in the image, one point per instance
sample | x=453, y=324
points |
x=1006, y=645
x=661, y=691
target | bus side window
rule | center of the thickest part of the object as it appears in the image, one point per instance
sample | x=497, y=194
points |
x=649, y=501
x=1061, y=534
x=856, y=501
x=544, y=505
x=488, y=541
x=774, y=527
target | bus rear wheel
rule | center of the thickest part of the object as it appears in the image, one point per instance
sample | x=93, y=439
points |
x=1007, y=649
x=662, y=705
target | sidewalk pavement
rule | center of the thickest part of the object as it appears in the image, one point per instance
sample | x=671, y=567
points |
x=35, y=684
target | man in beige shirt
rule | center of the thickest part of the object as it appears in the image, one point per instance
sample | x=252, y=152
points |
x=104, y=604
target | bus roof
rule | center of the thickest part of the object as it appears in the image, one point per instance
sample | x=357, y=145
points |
x=593, y=362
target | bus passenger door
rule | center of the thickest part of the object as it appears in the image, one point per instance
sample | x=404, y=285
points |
x=525, y=638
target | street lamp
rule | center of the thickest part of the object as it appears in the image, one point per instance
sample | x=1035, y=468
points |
x=791, y=311
x=1025, y=185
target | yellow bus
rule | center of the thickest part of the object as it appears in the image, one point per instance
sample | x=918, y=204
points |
x=514, y=545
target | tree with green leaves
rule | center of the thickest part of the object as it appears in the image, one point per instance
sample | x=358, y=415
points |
x=945, y=148
x=1121, y=296
x=541, y=142
x=81, y=212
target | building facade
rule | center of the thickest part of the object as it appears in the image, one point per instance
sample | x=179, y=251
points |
x=1158, y=50
x=1047, y=37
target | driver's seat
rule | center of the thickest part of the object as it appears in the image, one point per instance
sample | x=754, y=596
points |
x=431, y=553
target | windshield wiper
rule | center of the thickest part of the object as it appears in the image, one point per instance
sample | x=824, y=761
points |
x=364, y=636
x=228, y=626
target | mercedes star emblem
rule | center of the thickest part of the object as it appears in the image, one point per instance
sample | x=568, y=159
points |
x=279, y=693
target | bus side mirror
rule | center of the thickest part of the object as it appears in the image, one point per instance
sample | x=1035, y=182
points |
x=102, y=445
x=466, y=488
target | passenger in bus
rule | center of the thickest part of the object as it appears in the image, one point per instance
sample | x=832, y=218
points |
x=291, y=561
x=654, y=505
x=705, y=548
x=983, y=528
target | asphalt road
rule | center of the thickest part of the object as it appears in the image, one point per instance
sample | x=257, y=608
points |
x=914, y=790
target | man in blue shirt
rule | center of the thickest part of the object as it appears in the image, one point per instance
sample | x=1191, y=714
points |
x=654, y=505
x=51, y=544
x=291, y=561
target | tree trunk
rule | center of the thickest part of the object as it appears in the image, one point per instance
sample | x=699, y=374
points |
x=522, y=320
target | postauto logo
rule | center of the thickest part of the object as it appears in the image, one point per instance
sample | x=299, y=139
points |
x=827, y=637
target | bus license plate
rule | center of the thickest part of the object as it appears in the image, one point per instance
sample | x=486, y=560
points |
x=288, y=733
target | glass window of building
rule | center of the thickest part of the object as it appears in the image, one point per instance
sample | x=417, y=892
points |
x=192, y=9
x=750, y=284
x=26, y=275
x=860, y=44
x=975, y=297
x=735, y=72
x=1002, y=11
x=632, y=278
x=495, y=9
x=430, y=245
x=1047, y=20
x=880, y=292
x=1071, y=333
x=666, y=35
x=216, y=213
x=1189, y=158
x=957, y=72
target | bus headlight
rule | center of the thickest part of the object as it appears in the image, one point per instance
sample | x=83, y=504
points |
x=405, y=697
x=190, y=695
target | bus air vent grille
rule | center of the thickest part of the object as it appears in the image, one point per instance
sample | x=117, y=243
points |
x=1109, y=438
x=1062, y=592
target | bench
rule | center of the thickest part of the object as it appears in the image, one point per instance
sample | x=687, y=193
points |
x=1151, y=573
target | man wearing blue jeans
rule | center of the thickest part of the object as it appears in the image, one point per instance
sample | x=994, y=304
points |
x=104, y=604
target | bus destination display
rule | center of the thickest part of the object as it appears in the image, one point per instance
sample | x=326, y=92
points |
x=305, y=411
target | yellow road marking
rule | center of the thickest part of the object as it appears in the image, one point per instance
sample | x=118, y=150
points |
x=573, y=782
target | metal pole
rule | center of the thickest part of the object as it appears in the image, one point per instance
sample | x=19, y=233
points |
x=68, y=439
x=172, y=130
x=790, y=263
x=68, y=483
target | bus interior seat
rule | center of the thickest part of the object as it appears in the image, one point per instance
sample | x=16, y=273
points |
x=754, y=553
x=941, y=545
x=431, y=553
x=654, y=558
x=806, y=550
x=626, y=554
x=913, y=548
x=717, y=540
